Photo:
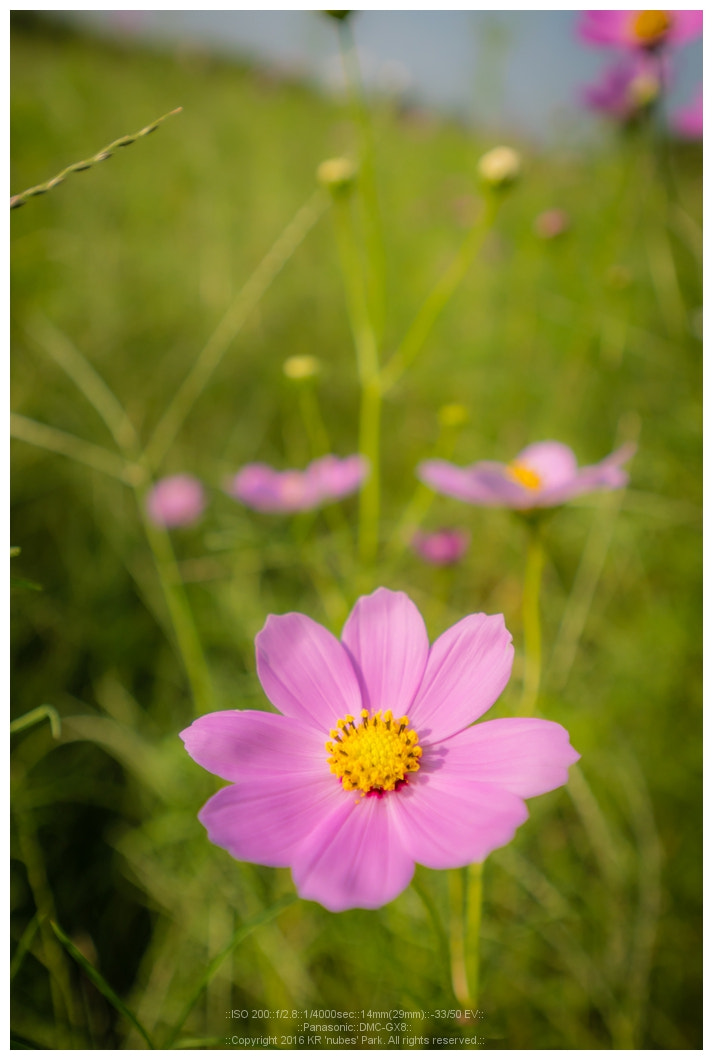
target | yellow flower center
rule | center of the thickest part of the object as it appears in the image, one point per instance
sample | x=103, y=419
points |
x=373, y=755
x=524, y=476
x=651, y=26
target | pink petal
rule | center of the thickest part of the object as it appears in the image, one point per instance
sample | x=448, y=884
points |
x=236, y=744
x=468, y=667
x=448, y=821
x=388, y=642
x=305, y=671
x=356, y=859
x=526, y=756
x=687, y=25
x=484, y=483
x=554, y=462
x=267, y=819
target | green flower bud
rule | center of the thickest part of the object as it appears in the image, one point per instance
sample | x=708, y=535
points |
x=301, y=367
x=337, y=175
x=500, y=167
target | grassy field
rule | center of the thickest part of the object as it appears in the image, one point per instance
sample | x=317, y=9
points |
x=591, y=918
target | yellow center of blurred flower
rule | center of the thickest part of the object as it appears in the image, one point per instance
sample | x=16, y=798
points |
x=643, y=90
x=651, y=26
x=524, y=476
x=374, y=754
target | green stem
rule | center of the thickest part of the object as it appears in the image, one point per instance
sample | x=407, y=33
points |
x=531, y=618
x=219, y=342
x=368, y=368
x=474, y=908
x=459, y=972
x=376, y=281
x=369, y=498
x=187, y=638
x=440, y=296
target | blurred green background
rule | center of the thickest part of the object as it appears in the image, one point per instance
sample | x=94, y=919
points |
x=591, y=926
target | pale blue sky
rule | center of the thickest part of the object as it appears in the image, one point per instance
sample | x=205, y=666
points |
x=510, y=70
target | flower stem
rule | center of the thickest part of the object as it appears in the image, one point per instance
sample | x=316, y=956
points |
x=459, y=973
x=466, y=894
x=531, y=618
x=474, y=907
x=440, y=296
x=187, y=639
x=374, y=242
x=368, y=368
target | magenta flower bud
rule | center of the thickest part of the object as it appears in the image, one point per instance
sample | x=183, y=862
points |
x=372, y=764
x=178, y=500
x=264, y=489
x=442, y=548
x=543, y=475
x=626, y=89
x=551, y=223
x=639, y=30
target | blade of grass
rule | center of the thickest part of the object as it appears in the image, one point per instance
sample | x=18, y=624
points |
x=86, y=378
x=240, y=935
x=36, y=715
x=100, y=982
x=247, y=298
x=56, y=441
x=23, y=946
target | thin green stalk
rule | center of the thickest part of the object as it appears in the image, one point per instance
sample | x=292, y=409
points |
x=531, y=618
x=459, y=972
x=61, y=992
x=474, y=913
x=243, y=932
x=174, y=592
x=63, y=444
x=370, y=496
x=374, y=240
x=436, y=922
x=216, y=347
x=440, y=296
x=368, y=368
x=43, y=713
x=88, y=381
x=77, y=167
x=100, y=982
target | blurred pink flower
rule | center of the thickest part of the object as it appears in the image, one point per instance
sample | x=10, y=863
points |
x=688, y=120
x=266, y=490
x=178, y=500
x=551, y=223
x=627, y=88
x=372, y=764
x=543, y=475
x=441, y=548
x=639, y=29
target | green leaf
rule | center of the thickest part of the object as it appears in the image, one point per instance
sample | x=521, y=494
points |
x=36, y=715
x=100, y=982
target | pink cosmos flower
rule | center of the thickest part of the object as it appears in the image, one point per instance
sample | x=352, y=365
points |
x=688, y=120
x=441, y=548
x=329, y=478
x=627, y=88
x=542, y=476
x=372, y=763
x=640, y=29
x=178, y=500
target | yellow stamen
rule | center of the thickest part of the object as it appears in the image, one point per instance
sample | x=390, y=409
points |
x=524, y=476
x=373, y=756
x=650, y=27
